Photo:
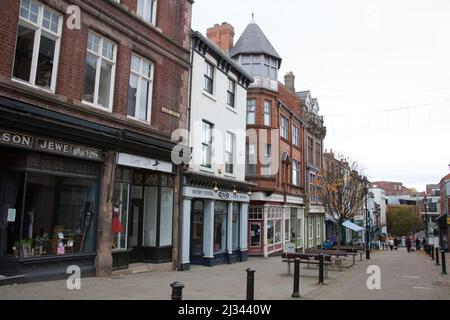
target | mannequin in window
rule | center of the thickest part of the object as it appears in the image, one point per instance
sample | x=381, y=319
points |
x=28, y=223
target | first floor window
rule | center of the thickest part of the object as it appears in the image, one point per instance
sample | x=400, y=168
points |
x=37, y=45
x=140, y=89
x=99, y=71
x=229, y=153
x=295, y=136
x=296, y=173
x=207, y=144
x=267, y=113
x=250, y=159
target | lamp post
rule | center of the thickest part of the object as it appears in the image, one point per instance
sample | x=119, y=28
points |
x=366, y=193
x=425, y=204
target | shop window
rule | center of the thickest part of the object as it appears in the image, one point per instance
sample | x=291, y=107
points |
x=270, y=232
x=120, y=215
x=220, y=227
x=150, y=216
x=197, y=228
x=59, y=216
x=278, y=229
x=236, y=226
x=287, y=231
x=255, y=234
x=299, y=229
x=165, y=234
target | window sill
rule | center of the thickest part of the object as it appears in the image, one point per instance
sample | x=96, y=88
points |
x=138, y=121
x=232, y=109
x=209, y=95
x=95, y=106
x=229, y=176
x=207, y=170
x=32, y=86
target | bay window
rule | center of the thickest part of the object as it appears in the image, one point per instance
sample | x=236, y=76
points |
x=37, y=45
x=99, y=71
x=140, y=89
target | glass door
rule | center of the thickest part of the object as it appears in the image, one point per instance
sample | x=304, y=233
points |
x=255, y=234
x=136, y=212
x=197, y=230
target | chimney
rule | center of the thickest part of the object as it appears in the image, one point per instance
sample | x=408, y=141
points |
x=289, y=81
x=222, y=36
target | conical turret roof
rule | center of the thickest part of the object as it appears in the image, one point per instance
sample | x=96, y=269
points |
x=253, y=40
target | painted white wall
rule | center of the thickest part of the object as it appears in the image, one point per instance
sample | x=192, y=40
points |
x=214, y=109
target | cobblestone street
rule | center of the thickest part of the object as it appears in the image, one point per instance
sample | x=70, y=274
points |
x=404, y=276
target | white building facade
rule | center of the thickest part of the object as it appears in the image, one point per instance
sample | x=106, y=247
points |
x=215, y=194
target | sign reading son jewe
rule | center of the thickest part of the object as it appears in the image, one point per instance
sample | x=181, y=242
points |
x=48, y=145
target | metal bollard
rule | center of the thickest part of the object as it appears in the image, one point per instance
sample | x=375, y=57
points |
x=432, y=252
x=321, y=265
x=437, y=257
x=251, y=284
x=296, y=292
x=443, y=263
x=177, y=290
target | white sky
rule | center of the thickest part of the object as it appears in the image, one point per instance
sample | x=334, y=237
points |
x=359, y=56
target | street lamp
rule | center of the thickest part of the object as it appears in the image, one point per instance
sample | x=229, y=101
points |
x=366, y=193
x=425, y=204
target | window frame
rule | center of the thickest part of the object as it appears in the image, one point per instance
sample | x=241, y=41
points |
x=209, y=78
x=230, y=154
x=295, y=136
x=253, y=100
x=144, y=7
x=231, y=95
x=39, y=31
x=267, y=112
x=284, y=127
x=100, y=58
x=141, y=77
x=296, y=173
x=207, y=146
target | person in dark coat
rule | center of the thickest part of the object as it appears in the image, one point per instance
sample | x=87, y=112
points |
x=408, y=244
x=417, y=244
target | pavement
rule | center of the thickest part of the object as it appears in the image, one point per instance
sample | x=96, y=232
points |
x=403, y=276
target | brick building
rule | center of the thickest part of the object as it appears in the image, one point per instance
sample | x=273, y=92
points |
x=86, y=116
x=393, y=188
x=274, y=152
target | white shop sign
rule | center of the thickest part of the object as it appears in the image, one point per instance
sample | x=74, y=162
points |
x=295, y=200
x=133, y=161
x=191, y=192
x=259, y=196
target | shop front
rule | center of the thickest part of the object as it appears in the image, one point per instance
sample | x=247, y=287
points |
x=49, y=200
x=214, y=227
x=275, y=225
x=143, y=211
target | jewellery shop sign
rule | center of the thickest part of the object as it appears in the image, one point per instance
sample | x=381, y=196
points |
x=30, y=142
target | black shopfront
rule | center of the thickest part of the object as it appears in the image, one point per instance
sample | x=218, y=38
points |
x=62, y=185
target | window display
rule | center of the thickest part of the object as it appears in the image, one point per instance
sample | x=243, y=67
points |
x=236, y=226
x=220, y=227
x=58, y=218
x=270, y=232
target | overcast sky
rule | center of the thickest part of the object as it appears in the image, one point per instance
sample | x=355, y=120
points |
x=361, y=57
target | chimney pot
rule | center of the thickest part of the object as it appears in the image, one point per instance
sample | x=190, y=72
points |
x=222, y=35
x=289, y=81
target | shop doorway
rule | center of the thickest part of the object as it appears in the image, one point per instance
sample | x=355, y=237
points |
x=197, y=232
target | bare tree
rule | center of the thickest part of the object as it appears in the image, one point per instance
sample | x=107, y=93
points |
x=342, y=191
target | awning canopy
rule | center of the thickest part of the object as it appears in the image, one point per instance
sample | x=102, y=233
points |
x=352, y=226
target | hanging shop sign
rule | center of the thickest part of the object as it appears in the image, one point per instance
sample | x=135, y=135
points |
x=139, y=162
x=49, y=145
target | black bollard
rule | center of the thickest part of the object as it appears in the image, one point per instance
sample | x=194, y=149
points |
x=177, y=290
x=321, y=265
x=437, y=256
x=432, y=252
x=296, y=292
x=251, y=284
x=443, y=263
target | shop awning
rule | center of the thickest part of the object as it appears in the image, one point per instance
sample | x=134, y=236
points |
x=352, y=226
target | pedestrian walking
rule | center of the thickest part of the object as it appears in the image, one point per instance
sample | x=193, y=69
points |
x=408, y=243
x=396, y=243
x=391, y=243
x=424, y=243
x=417, y=244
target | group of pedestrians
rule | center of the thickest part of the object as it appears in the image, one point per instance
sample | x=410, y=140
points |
x=393, y=243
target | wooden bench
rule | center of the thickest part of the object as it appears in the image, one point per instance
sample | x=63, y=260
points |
x=308, y=259
x=337, y=255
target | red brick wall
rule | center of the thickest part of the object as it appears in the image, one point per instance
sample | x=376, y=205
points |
x=166, y=47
